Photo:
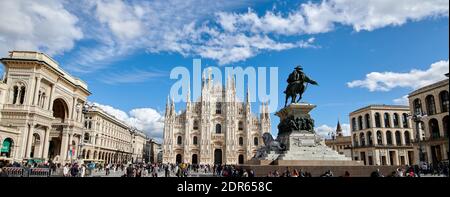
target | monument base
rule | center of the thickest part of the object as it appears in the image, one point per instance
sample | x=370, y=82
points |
x=302, y=146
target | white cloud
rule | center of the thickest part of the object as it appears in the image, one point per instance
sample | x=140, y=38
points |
x=326, y=130
x=145, y=119
x=209, y=29
x=386, y=81
x=402, y=100
x=31, y=25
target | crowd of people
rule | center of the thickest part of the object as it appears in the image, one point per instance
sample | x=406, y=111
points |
x=184, y=170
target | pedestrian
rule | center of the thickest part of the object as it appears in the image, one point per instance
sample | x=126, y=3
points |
x=74, y=170
x=130, y=171
x=66, y=170
x=82, y=170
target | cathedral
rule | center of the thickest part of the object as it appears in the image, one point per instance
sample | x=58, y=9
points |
x=215, y=129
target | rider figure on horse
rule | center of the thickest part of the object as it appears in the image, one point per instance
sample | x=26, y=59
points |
x=296, y=85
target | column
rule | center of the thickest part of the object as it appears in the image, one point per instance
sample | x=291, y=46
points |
x=46, y=143
x=402, y=137
x=396, y=156
x=74, y=103
x=50, y=100
x=36, y=90
x=64, y=144
x=444, y=151
x=429, y=153
x=383, y=137
x=29, y=140
x=70, y=146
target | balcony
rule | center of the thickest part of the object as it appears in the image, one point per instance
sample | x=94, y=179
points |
x=218, y=137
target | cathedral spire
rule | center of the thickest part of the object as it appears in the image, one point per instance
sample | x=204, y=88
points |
x=338, y=129
x=168, y=105
x=188, y=97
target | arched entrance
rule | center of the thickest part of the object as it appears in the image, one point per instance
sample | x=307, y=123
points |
x=241, y=159
x=60, y=110
x=60, y=113
x=218, y=156
x=54, y=147
x=7, y=147
x=194, y=159
x=178, y=158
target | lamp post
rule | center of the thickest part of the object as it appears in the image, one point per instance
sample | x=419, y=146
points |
x=417, y=118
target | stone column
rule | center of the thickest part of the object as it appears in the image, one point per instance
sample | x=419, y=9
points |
x=444, y=151
x=64, y=146
x=36, y=90
x=396, y=158
x=50, y=100
x=46, y=143
x=70, y=145
x=72, y=111
x=29, y=140
x=402, y=137
x=383, y=137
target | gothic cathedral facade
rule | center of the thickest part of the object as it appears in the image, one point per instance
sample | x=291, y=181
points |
x=216, y=129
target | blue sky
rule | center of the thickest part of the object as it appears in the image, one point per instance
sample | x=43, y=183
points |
x=125, y=50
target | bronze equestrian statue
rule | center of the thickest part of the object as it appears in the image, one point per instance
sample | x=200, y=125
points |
x=296, y=85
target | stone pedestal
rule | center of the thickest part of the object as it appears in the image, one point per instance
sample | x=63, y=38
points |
x=303, y=146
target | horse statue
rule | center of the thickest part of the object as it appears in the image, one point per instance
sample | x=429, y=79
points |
x=296, y=85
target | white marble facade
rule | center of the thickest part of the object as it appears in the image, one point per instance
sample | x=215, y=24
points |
x=217, y=128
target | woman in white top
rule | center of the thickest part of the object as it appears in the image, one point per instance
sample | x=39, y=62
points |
x=66, y=170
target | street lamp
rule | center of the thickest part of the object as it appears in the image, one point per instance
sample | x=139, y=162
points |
x=417, y=118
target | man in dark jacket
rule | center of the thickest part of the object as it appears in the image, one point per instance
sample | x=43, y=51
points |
x=74, y=170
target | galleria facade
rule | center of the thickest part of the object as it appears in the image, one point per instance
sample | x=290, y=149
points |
x=44, y=116
x=215, y=129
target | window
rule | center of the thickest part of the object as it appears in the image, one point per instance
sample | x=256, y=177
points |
x=431, y=105
x=445, y=125
x=367, y=119
x=434, y=128
x=417, y=106
x=353, y=124
x=218, y=128
x=444, y=101
x=355, y=140
x=179, y=140
x=22, y=95
x=218, y=108
x=360, y=123
x=377, y=120
x=195, y=127
x=16, y=93
x=194, y=140
x=241, y=141
x=387, y=118
x=240, y=126
x=86, y=137
x=398, y=139
x=362, y=139
x=379, y=138
x=405, y=120
x=255, y=141
x=396, y=122
x=369, y=138
x=407, y=137
x=389, y=137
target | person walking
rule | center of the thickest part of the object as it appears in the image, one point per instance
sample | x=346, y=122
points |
x=66, y=170
x=82, y=170
x=74, y=170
